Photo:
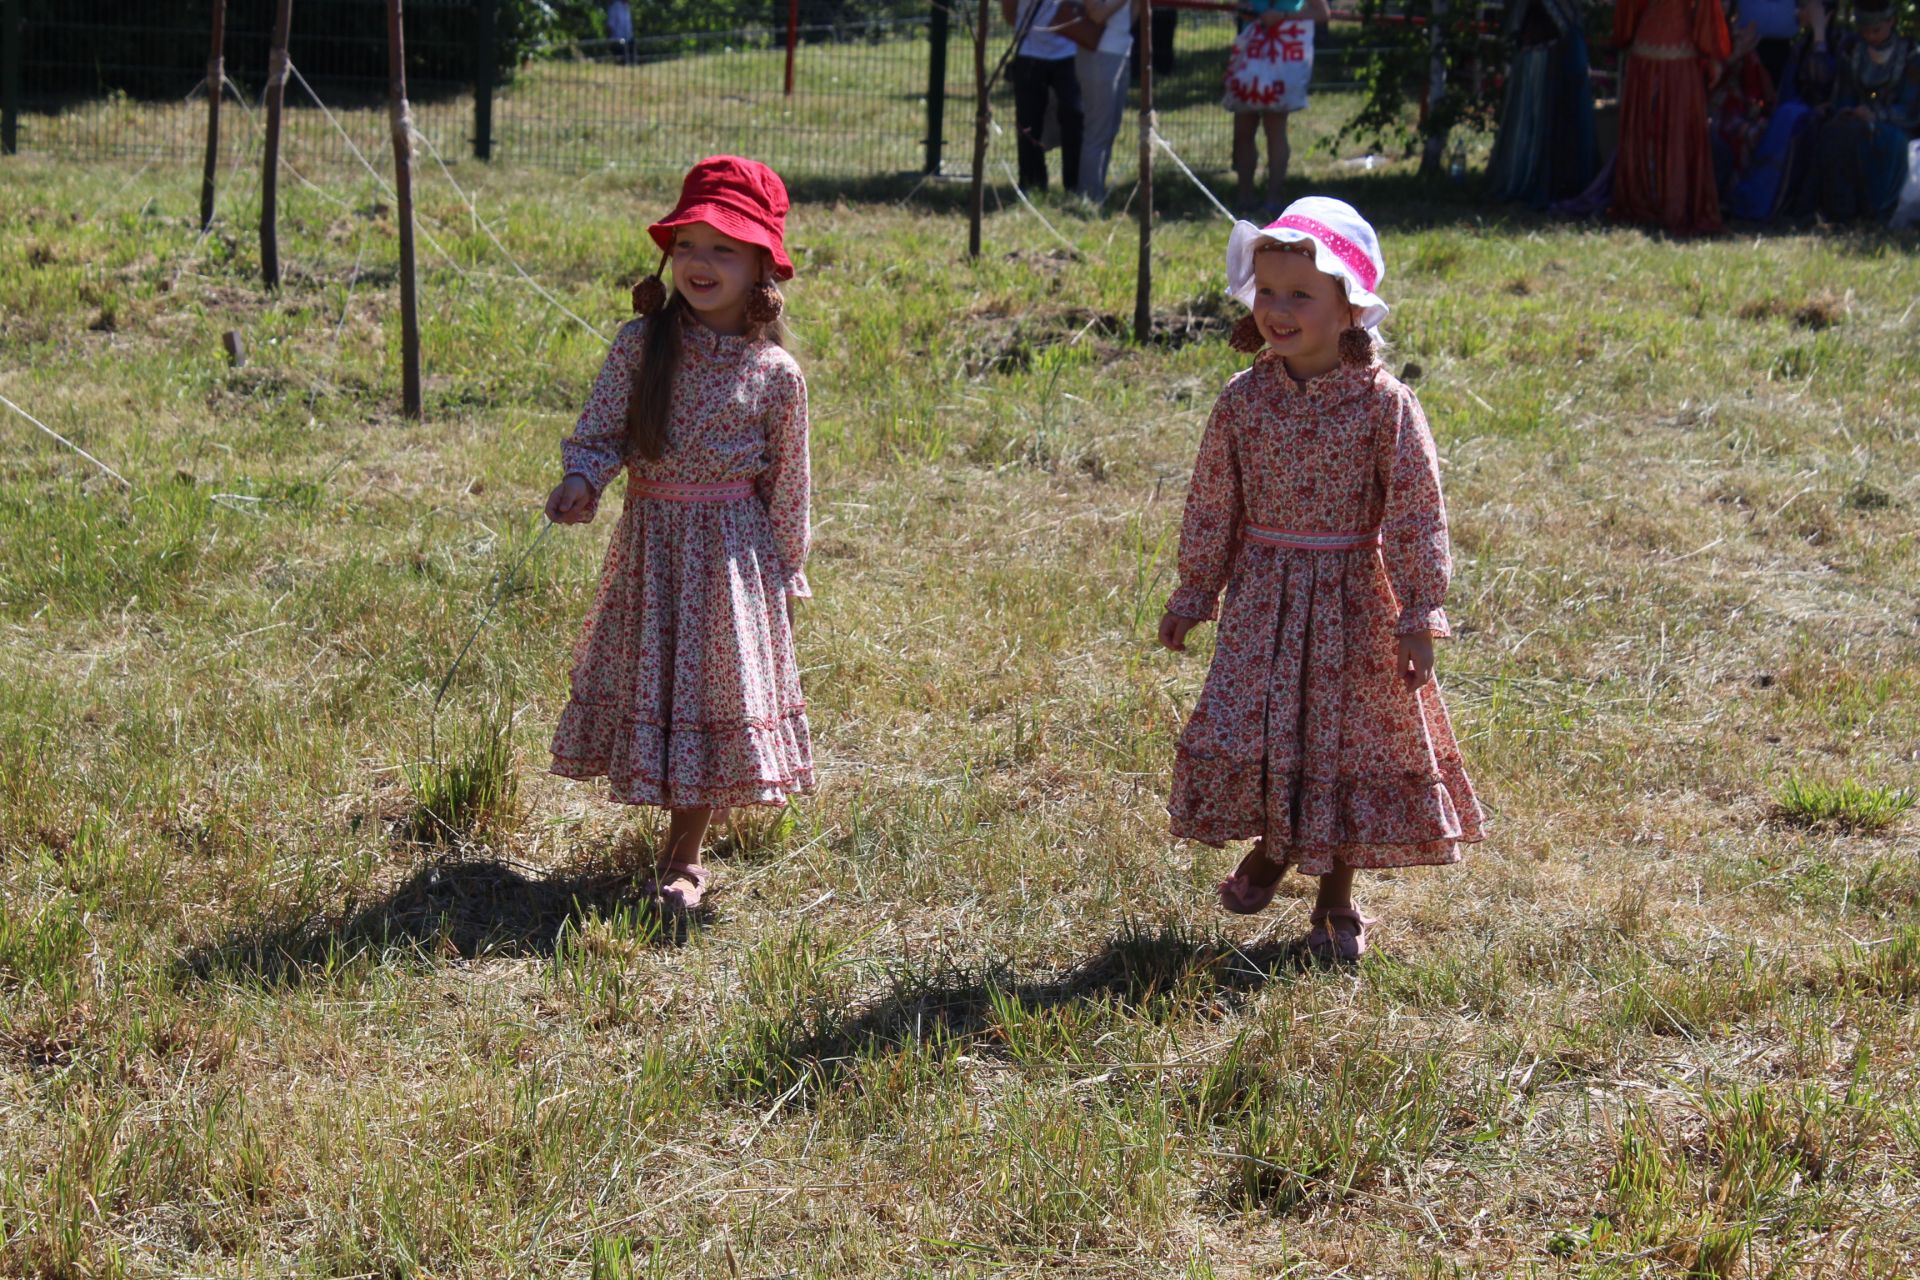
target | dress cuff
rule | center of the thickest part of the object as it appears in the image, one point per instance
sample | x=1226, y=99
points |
x=797, y=587
x=1415, y=620
x=1193, y=602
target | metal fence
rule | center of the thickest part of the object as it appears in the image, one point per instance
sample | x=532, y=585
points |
x=877, y=97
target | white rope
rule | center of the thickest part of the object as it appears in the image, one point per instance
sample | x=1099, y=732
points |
x=521, y=271
x=63, y=440
x=1167, y=147
x=1072, y=248
x=385, y=186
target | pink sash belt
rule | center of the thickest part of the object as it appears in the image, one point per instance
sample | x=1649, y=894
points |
x=674, y=491
x=1294, y=541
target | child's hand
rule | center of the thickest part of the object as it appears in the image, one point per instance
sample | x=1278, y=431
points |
x=1413, y=658
x=1173, y=631
x=571, y=501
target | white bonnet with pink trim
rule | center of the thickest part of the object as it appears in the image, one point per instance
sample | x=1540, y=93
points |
x=1344, y=246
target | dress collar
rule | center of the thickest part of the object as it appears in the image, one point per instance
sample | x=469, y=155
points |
x=697, y=338
x=1338, y=384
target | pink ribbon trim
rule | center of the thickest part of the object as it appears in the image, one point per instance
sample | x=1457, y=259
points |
x=674, y=491
x=1298, y=541
x=1344, y=249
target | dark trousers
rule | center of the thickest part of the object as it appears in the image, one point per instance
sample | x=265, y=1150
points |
x=1033, y=80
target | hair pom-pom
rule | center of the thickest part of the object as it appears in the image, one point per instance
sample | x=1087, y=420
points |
x=1246, y=335
x=1356, y=346
x=764, y=304
x=649, y=296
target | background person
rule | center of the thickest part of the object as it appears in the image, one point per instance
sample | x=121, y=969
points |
x=1043, y=68
x=1267, y=75
x=1102, y=72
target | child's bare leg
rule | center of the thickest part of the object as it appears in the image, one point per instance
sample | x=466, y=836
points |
x=1246, y=154
x=1279, y=154
x=1336, y=890
x=686, y=832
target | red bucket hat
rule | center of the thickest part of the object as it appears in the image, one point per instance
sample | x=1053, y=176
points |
x=740, y=198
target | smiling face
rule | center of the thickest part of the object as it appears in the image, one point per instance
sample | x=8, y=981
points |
x=1300, y=310
x=713, y=272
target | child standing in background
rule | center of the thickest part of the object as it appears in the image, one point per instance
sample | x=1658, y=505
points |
x=1315, y=503
x=685, y=692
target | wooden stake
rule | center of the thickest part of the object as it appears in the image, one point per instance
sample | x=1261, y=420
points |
x=402, y=119
x=270, y=164
x=982, y=120
x=793, y=39
x=216, y=91
x=1143, y=284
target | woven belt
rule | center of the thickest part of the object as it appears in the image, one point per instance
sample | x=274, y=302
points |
x=1294, y=541
x=672, y=491
x=1663, y=52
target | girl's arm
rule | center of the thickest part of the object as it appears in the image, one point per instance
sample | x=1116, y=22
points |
x=787, y=483
x=1413, y=526
x=1210, y=530
x=1317, y=11
x=597, y=448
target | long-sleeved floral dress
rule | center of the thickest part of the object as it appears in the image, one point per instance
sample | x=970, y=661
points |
x=685, y=688
x=1305, y=733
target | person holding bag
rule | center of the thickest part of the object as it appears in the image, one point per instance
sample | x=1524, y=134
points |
x=1043, y=67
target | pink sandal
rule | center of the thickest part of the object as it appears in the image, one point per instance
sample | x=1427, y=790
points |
x=1240, y=895
x=1339, y=934
x=678, y=886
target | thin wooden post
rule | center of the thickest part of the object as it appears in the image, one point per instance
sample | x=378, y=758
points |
x=1143, y=284
x=982, y=118
x=937, y=33
x=402, y=119
x=1433, y=146
x=216, y=91
x=270, y=163
x=793, y=39
x=13, y=34
x=483, y=70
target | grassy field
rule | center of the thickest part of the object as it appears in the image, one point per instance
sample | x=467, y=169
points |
x=968, y=1010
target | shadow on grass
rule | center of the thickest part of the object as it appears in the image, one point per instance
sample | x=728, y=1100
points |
x=1159, y=973
x=1399, y=201
x=464, y=908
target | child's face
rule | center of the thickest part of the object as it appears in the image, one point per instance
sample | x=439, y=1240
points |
x=1877, y=34
x=713, y=272
x=1300, y=310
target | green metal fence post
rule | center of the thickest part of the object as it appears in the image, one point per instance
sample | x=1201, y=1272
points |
x=483, y=64
x=937, y=82
x=13, y=34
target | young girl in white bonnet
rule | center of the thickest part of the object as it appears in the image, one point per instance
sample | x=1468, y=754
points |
x=1315, y=503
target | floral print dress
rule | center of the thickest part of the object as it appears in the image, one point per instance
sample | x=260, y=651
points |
x=1304, y=733
x=685, y=689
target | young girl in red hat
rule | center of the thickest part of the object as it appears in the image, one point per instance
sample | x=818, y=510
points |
x=1315, y=502
x=685, y=690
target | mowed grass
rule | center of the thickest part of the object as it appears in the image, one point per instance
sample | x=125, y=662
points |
x=967, y=1010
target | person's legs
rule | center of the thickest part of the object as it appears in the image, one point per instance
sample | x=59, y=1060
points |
x=1843, y=147
x=1029, y=118
x=1279, y=153
x=1246, y=156
x=1103, y=92
x=1064, y=81
x=686, y=832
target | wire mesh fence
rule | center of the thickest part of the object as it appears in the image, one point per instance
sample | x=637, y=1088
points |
x=873, y=97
